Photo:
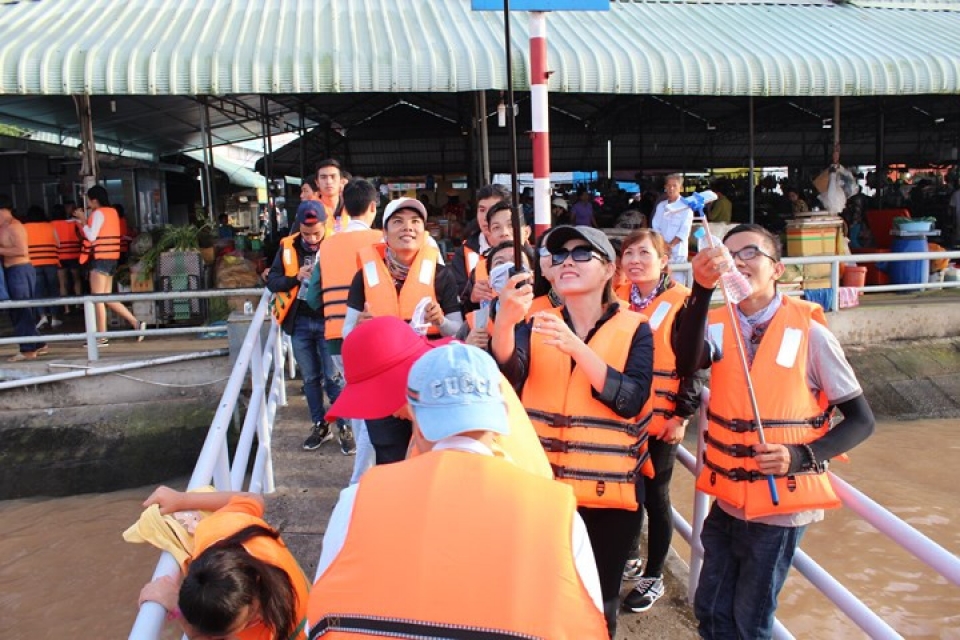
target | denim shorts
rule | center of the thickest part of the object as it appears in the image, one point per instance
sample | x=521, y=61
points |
x=106, y=267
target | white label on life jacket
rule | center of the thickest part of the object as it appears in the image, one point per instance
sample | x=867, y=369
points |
x=472, y=260
x=789, y=347
x=370, y=273
x=659, y=314
x=715, y=336
x=427, y=267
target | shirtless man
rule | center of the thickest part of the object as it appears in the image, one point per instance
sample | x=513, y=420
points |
x=21, y=280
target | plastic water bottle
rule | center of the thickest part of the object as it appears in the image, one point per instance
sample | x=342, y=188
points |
x=695, y=201
x=735, y=284
x=248, y=308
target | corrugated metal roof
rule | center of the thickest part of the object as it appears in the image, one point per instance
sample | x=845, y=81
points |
x=708, y=47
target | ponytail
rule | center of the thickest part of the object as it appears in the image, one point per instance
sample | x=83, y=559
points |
x=226, y=577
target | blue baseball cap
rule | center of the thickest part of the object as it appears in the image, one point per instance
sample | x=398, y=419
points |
x=455, y=389
x=311, y=212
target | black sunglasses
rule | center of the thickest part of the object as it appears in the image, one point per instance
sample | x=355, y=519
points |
x=582, y=253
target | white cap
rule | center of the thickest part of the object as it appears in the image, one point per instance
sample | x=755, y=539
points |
x=404, y=203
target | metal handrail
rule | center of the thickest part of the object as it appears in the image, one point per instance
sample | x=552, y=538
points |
x=90, y=333
x=265, y=365
x=907, y=537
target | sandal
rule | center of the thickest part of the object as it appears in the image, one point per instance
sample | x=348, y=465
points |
x=42, y=351
x=23, y=356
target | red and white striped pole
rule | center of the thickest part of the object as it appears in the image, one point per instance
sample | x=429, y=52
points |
x=541, y=121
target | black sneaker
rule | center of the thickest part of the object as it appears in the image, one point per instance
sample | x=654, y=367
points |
x=642, y=597
x=348, y=445
x=321, y=433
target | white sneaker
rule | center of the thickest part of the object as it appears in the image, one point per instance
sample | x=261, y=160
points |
x=44, y=321
x=56, y=323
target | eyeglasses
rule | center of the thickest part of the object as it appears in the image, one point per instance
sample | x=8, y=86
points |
x=579, y=254
x=750, y=252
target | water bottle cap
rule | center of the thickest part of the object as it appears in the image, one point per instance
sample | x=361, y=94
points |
x=699, y=233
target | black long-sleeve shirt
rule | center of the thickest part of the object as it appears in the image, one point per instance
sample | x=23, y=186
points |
x=624, y=392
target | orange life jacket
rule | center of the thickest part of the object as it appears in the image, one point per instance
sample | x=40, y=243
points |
x=380, y=291
x=485, y=518
x=666, y=383
x=223, y=524
x=338, y=265
x=600, y=454
x=332, y=222
x=42, y=244
x=69, y=235
x=124, y=234
x=471, y=259
x=542, y=303
x=791, y=414
x=282, y=301
x=107, y=244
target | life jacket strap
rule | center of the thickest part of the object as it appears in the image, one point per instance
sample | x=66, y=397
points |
x=743, y=426
x=556, y=445
x=732, y=450
x=739, y=474
x=561, y=472
x=664, y=373
x=563, y=421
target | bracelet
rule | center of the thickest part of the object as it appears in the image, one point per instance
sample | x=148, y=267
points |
x=812, y=465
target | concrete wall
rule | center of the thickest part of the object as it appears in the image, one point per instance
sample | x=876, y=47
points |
x=911, y=319
x=107, y=432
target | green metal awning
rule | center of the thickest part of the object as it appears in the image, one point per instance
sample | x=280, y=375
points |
x=665, y=47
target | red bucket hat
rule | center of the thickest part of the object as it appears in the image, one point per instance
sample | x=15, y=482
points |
x=377, y=357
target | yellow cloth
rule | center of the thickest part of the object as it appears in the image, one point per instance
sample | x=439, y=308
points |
x=164, y=532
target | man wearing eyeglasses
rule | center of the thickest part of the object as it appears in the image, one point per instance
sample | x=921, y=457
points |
x=799, y=375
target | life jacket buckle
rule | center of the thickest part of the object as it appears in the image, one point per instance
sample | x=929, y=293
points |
x=740, y=450
x=559, y=420
x=741, y=426
x=554, y=445
x=601, y=487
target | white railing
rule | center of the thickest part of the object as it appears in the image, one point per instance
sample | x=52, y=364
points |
x=901, y=533
x=90, y=333
x=265, y=365
x=860, y=258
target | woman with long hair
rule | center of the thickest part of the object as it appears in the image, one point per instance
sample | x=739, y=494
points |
x=584, y=371
x=241, y=582
x=650, y=290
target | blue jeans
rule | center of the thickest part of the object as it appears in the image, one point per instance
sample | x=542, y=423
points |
x=316, y=365
x=744, y=567
x=21, y=284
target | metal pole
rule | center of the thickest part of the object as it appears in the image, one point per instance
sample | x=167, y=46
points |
x=264, y=128
x=211, y=166
x=751, y=170
x=836, y=130
x=484, y=138
x=539, y=100
x=512, y=122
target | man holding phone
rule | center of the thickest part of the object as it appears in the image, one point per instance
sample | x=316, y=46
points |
x=289, y=279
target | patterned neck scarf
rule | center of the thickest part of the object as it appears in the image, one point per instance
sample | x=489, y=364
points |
x=753, y=327
x=397, y=269
x=639, y=303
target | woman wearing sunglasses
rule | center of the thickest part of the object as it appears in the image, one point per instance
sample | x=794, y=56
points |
x=241, y=583
x=651, y=291
x=584, y=372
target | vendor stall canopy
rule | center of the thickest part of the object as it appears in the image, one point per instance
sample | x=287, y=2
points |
x=662, y=47
x=151, y=65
